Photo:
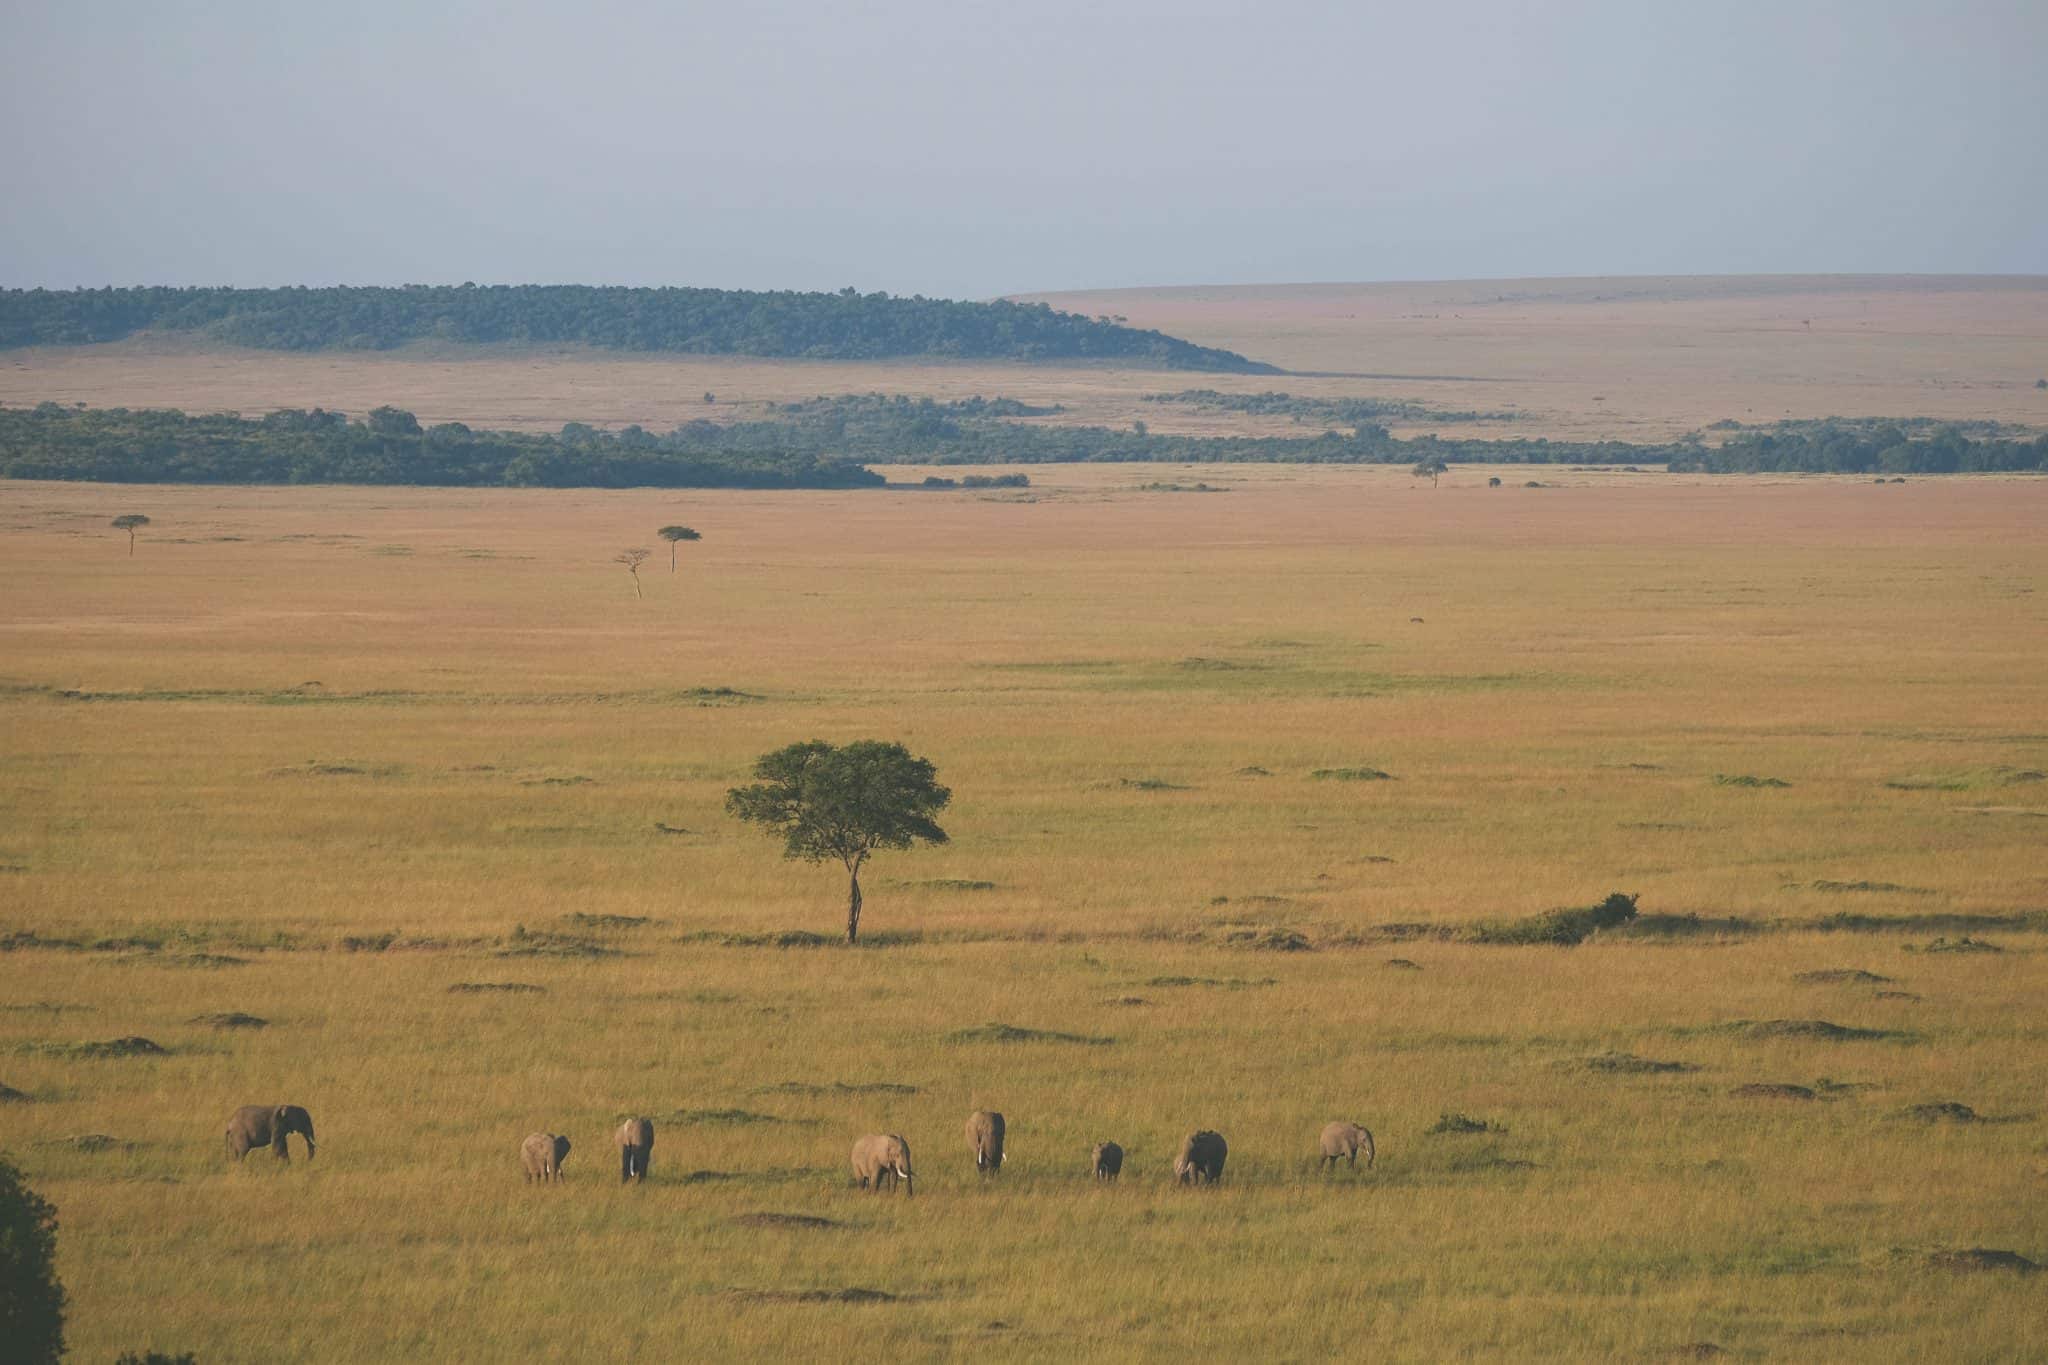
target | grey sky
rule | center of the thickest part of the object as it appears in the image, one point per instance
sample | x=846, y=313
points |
x=965, y=148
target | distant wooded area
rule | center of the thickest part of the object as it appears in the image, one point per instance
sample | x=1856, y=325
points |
x=844, y=326
x=829, y=442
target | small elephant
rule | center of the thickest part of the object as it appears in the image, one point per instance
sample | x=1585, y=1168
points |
x=1109, y=1160
x=1201, y=1158
x=1345, y=1139
x=879, y=1157
x=267, y=1125
x=636, y=1142
x=543, y=1154
x=985, y=1136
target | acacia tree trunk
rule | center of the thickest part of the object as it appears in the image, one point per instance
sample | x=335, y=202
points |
x=131, y=544
x=853, y=902
x=671, y=556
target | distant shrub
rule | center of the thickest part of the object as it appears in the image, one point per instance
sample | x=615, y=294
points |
x=1493, y=482
x=31, y=1299
x=996, y=481
x=1564, y=928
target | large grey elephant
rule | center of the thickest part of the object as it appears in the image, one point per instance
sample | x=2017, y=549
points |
x=1201, y=1158
x=636, y=1142
x=267, y=1125
x=543, y=1154
x=882, y=1157
x=985, y=1136
x=1346, y=1139
x=1109, y=1160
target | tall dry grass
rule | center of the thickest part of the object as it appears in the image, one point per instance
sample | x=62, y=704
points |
x=1131, y=694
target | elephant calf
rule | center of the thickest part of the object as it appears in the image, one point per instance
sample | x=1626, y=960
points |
x=636, y=1142
x=881, y=1157
x=267, y=1125
x=1201, y=1158
x=543, y=1154
x=985, y=1136
x=1109, y=1160
x=1345, y=1139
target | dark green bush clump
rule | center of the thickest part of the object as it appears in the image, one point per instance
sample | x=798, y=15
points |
x=31, y=1299
x=1561, y=927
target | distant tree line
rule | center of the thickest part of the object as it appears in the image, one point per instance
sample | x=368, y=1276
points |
x=1347, y=412
x=829, y=442
x=1858, y=446
x=389, y=446
x=844, y=326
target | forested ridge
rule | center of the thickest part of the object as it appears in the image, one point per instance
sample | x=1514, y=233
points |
x=844, y=326
x=829, y=442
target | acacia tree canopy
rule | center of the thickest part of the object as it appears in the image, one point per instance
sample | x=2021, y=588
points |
x=843, y=803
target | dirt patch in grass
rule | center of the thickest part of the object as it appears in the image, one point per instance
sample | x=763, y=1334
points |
x=112, y=1047
x=725, y=1118
x=1461, y=1124
x=546, y=943
x=1148, y=784
x=1228, y=983
x=1981, y=1258
x=90, y=1143
x=853, y=1295
x=1805, y=1028
x=785, y=1220
x=1833, y=976
x=1265, y=939
x=1877, y=888
x=1896, y=995
x=1361, y=774
x=607, y=922
x=1010, y=1033
x=837, y=1088
x=1127, y=1000
x=1944, y=1111
x=207, y=960
x=233, y=1019
x=1628, y=1064
x=1403, y=964
x=787, y=938
x=1768, y=1090
x=1965, y=944
x=1748, y=780
x=496, y=987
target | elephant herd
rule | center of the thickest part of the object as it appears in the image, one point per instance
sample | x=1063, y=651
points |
x=880, y=1160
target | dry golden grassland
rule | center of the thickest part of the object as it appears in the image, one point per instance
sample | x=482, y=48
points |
x=1626, y=359
x=440, y=724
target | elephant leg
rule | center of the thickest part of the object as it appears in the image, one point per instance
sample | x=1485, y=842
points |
x=625, y=1164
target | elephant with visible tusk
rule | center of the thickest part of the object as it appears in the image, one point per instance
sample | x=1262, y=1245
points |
x=1345, y=1139
x=985, y=1136
x=636, y=1142
x=267, y=1125
x=1109, y=1160
x=543, y=1154
x=1201, y=1158
x=882, y=1157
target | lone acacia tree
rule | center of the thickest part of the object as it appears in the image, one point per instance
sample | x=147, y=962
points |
x=1431, y=467
x=129, y=523
x=672, y=534
x=843, y=803
x=632, y=559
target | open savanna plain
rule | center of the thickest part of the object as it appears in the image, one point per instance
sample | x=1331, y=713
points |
x=415, y=777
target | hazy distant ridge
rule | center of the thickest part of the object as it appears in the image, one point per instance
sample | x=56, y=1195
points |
x=842, y=326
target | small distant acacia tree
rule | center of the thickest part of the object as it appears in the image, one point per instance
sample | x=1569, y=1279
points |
x=31, y=1299
x=673, y=534
x=633, y=559
x=1431, y=467
x=131, y=523
x=843, y=803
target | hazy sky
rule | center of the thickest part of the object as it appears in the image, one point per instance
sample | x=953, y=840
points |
x=965, y=148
